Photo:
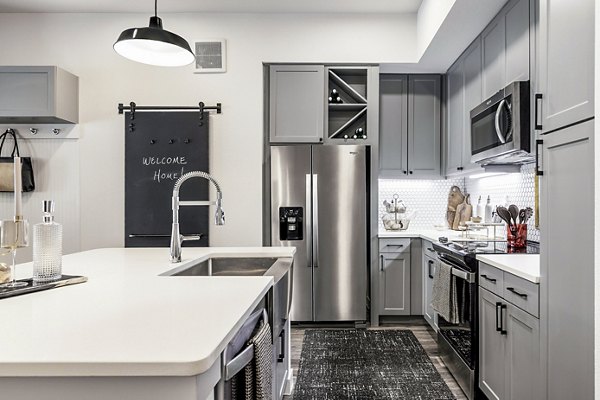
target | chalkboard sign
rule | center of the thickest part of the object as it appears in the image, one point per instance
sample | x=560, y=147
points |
x=159, y=148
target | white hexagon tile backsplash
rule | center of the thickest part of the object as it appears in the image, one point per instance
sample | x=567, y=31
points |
x=429, y=197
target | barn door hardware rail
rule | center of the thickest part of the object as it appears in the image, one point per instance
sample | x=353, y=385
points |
x=201, y=107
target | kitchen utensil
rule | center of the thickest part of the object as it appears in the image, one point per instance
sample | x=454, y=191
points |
x=522, y=214
x=514, y=212
x=528, y=214
x=504, y=214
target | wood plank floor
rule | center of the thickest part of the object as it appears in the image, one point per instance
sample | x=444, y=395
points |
x=424, y=334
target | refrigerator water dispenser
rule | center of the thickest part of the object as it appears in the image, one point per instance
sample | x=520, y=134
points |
x=290, y=223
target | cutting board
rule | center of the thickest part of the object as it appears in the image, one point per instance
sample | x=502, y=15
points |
x=455, y=198
x=464, y=211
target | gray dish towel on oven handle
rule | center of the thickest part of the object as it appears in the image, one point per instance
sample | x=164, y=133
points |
x=444, y=296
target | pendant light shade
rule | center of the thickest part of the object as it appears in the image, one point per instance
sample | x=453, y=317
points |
x=154, y=45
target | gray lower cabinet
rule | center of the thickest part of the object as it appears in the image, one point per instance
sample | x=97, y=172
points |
x=38, y=94
x=492, y=346
x=429, y=267
x=296, y=103
x=509, y=350
x=566, y=62
x=394, y=277
x=410, y=126
x=567, y=262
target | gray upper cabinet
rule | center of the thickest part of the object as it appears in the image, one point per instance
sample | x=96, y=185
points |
x=456, y=118
x=517, y=21
x=566, y=62
x=464, y=92
x=296, y=103
x=424, y=116
x=41, y=94
x=493, y=50
x=393, y=127
x=473, y=97
x=410, y=126
x=567, y=294
x=506, y=47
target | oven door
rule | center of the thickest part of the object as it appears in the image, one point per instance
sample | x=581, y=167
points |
x=462, y=336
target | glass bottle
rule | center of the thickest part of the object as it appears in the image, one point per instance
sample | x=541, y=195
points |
x=47, y=247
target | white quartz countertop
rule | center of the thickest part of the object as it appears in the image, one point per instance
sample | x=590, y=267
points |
x=428, y=234
x=127, y=320
x=526, y=266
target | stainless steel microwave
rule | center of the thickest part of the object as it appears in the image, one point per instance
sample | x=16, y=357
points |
x=500, y=127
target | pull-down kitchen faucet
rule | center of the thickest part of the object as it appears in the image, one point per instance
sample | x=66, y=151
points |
x=176, y=238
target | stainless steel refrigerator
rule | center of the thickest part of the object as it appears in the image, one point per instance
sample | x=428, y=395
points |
x=319, y=205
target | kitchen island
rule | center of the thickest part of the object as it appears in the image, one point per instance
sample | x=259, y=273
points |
x=128, y=332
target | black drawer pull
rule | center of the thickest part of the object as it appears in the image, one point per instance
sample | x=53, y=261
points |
x=488, y=278
x=521, y=295
x=430, y=264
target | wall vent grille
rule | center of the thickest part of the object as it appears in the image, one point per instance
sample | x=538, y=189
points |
x=211, y=56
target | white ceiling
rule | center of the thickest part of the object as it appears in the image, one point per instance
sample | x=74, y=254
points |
x=253, y=6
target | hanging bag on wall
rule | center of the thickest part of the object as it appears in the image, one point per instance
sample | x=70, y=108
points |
x=7, y=167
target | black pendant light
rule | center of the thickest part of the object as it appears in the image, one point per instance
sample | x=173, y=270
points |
x=154, y=45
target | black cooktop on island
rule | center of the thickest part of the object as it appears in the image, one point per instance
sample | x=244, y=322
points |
x=465, y=251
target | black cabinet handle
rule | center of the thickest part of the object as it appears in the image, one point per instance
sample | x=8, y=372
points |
x=538, y=143
x=430, y=249
x=488, y=279
x=512, y=290
x=459, y=168
x=430, y=262
x=410, y=172
x=404, y=172
x=502, y=330
x=536, y=116
x=499, y=322
x=498, y=317
x=281, y=356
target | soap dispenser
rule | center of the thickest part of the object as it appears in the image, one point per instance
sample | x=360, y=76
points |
x=488, y=211
x=47, y=247
x=480, y=209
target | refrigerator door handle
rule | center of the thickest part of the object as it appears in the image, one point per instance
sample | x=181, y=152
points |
x=315, y=224
x=308, y=219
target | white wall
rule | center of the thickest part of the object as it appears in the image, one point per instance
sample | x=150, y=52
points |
x=82, y=44
x=430, y=17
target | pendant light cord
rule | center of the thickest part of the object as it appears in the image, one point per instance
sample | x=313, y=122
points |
x=156, y=8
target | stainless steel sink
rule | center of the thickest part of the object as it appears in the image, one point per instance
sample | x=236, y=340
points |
x=228, y=267
x=279, y=298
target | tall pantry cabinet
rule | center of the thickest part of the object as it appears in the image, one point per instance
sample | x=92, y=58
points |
x=564, y=118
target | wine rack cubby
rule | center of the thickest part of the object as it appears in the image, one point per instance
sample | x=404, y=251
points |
x=347, y=103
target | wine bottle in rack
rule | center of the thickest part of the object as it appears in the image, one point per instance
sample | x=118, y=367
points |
x=334, y=97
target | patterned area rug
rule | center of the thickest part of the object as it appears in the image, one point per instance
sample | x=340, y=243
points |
x=366, y=365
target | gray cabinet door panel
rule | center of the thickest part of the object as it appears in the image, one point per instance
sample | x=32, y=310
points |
x=394, y=283
x=393, y=128
x=297, y=103
x=473, y=97
x=456, y=119
x=567, y=263
x=493, y=45
x=429, y=267
x=522, y=361
x=424, y=125
x=566, y=62
x=492, y=347
x=517, y=41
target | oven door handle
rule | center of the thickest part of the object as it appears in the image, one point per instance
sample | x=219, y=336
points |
x=497, y=121
x=469, y=277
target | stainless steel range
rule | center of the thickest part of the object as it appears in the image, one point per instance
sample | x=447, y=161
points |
x=459, y=342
